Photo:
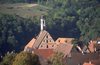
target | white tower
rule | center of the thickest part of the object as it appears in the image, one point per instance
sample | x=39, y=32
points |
x=42, y=23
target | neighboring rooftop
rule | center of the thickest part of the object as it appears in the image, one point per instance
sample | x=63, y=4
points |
x=31, y=43
x=64, y=48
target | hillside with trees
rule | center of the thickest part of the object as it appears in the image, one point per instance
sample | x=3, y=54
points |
x=64, y=18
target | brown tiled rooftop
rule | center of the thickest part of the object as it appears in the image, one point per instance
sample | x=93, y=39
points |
x=88, y=64
x=44, y=53
x=96, y=61
x=64, y=48
x=64, y=40
x=79, y=58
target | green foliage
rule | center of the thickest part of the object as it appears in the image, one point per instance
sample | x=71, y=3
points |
x=18, y=1
x=8, y=59
x=83, y=14
x=14, y=32
x=89, y=22
x=24, y=58
x=56, y=59
x=24, y=10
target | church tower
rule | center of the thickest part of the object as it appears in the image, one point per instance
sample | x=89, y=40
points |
x=43, y=26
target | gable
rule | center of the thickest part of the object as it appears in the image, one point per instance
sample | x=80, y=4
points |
x=47, y=42
x=30, y=44
x=43, y=38
x=47, y=39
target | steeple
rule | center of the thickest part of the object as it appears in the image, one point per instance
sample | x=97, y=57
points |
x=42, y=23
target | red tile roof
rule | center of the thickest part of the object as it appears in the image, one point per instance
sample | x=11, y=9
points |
x=93, y=62
x=64, y=48
x=88, y=64
x=44, y=53
x=79, y=58
x=64, y=40
x=96, y=61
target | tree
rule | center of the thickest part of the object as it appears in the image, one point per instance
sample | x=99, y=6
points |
x=8, y=59
x=56, y=59
x=89, y=22
x=25, y=58
x=14, y=32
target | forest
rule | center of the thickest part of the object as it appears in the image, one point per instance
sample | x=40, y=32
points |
x=79, y=19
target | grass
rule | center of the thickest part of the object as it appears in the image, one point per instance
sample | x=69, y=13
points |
x=24, y=9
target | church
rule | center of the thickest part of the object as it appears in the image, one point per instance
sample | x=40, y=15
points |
x=45, y=44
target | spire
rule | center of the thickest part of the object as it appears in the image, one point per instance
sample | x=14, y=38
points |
x=42, y=23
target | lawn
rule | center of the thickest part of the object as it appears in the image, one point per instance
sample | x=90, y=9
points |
x=24, y=9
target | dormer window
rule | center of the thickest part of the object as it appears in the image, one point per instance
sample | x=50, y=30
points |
x=58, y=40
x=66, y=41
